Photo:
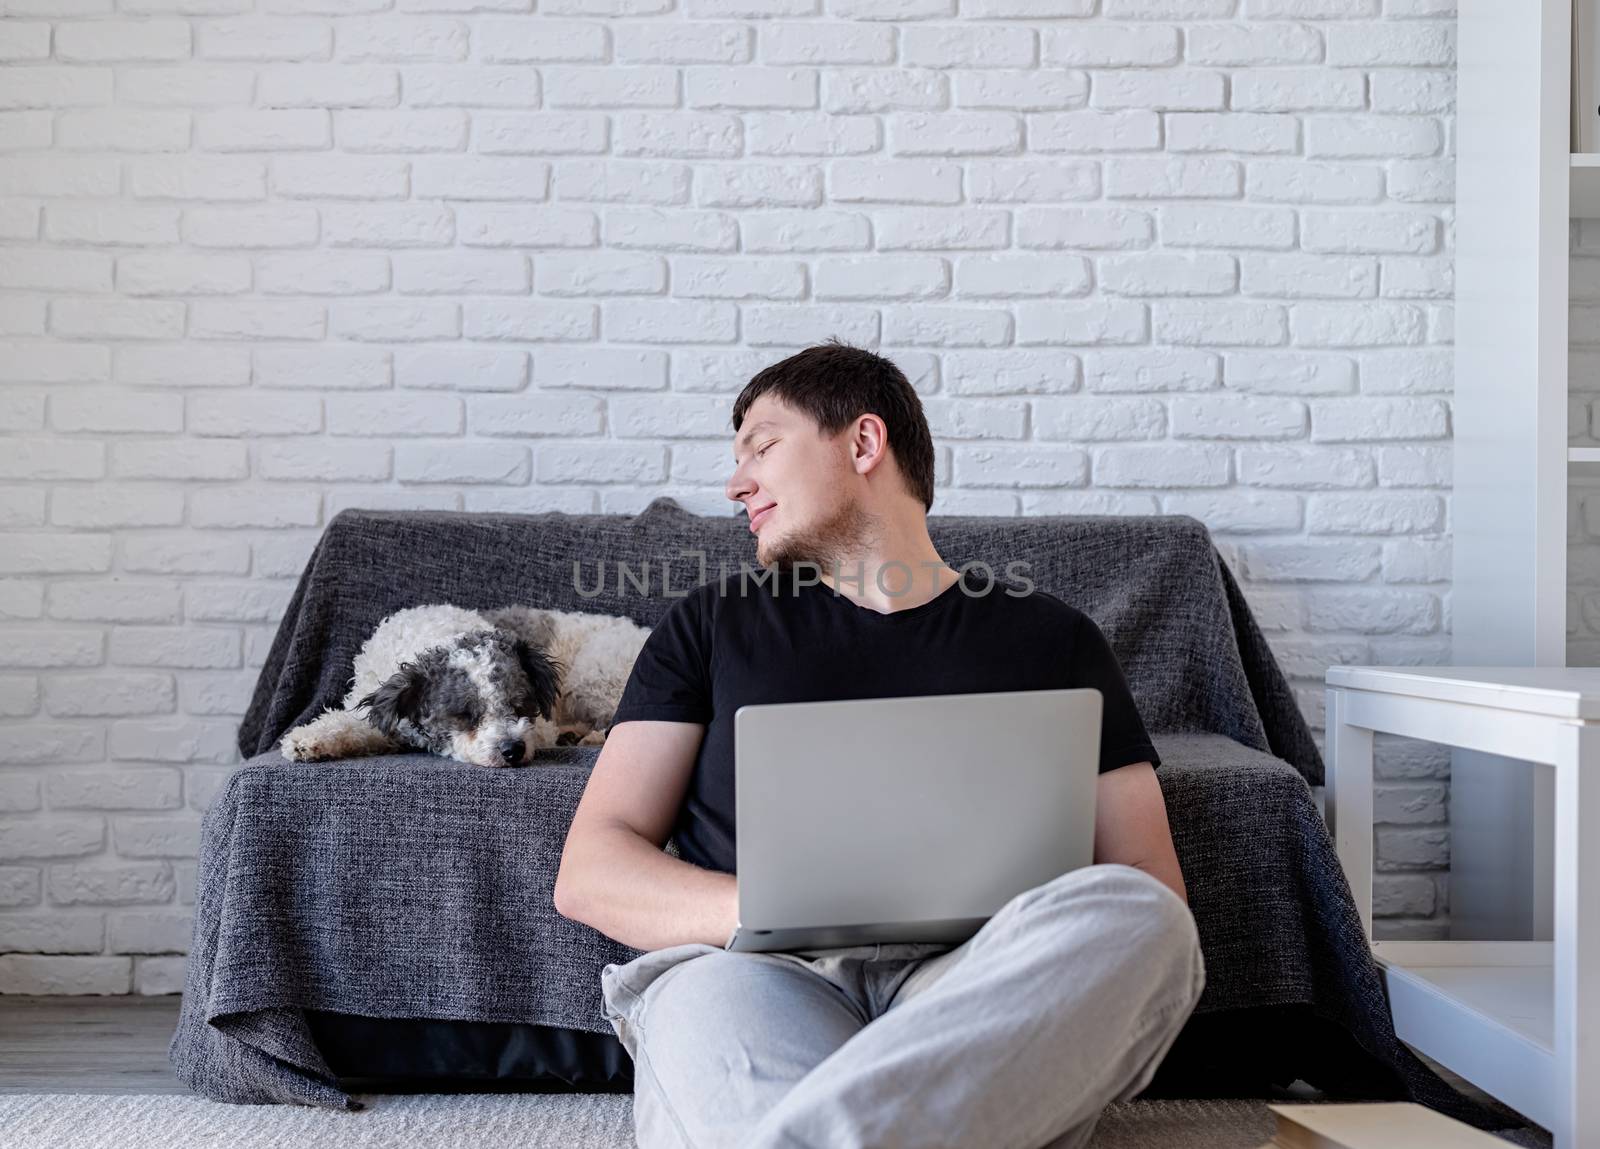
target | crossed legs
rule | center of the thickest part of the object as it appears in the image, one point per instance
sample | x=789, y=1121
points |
x=1065, y=1001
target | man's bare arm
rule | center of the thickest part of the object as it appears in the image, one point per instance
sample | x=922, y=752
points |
x=614, y=874
x=1130, y=824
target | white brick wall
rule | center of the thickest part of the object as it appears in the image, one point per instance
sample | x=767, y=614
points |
x=260, y=263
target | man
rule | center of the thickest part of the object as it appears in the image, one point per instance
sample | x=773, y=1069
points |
x=1067, y=999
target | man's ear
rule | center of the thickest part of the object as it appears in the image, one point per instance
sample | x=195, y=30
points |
x=869, y=443
x=544, y=676
x=397, y=699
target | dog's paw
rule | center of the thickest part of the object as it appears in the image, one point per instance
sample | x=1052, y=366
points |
x=333, y=734
x=580, y=736
x=302, y=745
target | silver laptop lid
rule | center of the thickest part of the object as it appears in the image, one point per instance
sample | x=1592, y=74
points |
x=934, y=807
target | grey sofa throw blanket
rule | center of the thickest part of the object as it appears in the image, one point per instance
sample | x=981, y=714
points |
x=1168, y=604
x=410, y=886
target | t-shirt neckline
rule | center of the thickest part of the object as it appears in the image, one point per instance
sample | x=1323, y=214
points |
x=938, y=602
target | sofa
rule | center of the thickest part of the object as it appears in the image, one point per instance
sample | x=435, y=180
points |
x=386, y=924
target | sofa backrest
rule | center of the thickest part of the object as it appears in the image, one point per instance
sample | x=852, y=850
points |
x=1155, y=585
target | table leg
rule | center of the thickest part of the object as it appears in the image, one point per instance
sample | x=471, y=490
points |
x=1348, y=800
x=1576, y=943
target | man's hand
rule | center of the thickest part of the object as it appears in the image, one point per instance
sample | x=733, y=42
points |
x=1130, y=824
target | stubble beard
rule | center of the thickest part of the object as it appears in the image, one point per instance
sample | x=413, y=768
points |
x=824, y=544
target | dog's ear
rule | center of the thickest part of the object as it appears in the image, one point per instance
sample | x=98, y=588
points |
x=544, y=676
x=399, y=698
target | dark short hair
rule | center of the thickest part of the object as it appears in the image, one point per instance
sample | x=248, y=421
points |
x=835, y=383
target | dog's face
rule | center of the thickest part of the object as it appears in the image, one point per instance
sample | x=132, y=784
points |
x=474, y=699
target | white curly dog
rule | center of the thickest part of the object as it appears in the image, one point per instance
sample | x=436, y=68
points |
x=487, y=688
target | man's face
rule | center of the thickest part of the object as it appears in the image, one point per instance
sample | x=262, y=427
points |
x=796, y=486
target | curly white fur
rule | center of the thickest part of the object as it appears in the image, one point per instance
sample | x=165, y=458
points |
x=595, y=653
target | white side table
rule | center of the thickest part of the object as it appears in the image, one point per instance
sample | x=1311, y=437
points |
x=1519, y=1019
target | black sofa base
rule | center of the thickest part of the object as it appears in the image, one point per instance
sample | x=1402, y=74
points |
x=404, y=1055
x=1237, y=1053
x=1258, y=1053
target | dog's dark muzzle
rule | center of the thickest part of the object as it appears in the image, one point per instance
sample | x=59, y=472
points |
x=512, y=752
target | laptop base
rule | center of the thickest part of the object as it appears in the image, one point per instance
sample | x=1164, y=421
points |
x=946, y=931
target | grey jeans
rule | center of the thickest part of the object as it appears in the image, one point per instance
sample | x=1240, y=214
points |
x=1067, y=999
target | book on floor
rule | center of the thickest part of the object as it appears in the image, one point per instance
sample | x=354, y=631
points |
x=1373, y=1125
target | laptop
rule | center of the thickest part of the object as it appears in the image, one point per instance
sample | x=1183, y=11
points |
x=907, y=819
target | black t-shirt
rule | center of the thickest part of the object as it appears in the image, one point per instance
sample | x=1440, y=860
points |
x=791, y=640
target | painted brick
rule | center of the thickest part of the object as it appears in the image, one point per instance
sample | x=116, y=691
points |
x=1136, y=256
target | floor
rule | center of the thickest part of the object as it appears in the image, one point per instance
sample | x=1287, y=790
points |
x=98, y=1044
x=87, y=1043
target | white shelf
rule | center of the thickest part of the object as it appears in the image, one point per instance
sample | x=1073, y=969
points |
x=1516, y=844
x=1584, y=198
x=1567, y=692
x=1517, y=999
x=1517, y=1018
x=1519, y=187
x=1493, y=1023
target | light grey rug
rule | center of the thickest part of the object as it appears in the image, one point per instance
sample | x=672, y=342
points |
x=500, y=1121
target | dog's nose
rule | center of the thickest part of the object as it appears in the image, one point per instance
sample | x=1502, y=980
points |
x=512, y=751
